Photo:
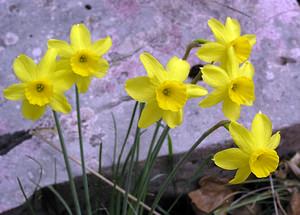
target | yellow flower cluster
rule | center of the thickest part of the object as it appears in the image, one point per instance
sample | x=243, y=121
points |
x=164, y=90
x=62, y=66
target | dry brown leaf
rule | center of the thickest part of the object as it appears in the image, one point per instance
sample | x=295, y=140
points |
x=294, y=208
x=211, y=194
x=294, y=164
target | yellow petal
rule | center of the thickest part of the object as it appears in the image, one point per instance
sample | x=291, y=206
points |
x=195, y=91
x=62, y=47
x=233, y=27
x=173, y=119
x=218, y=30
x=63, y=79
x=102, y=68
x=214, y=76
x=274, y=141
x=241, y=175
x=47, y=65
x=261, y=129
x=83, y=84
x=59, y=103
x=263, y=162
x=178, y=69
x=251, y=38
x=63, y=64
x=242, y=137
x=32, y=112
x=24, y=68
x=140, y=89
x=247, y=69
x=153, y=67
x=14, y=92
x=214, y=98
x=231, y=159
x=80, y=37
x=102, y=46
x=211, y=52
x=230, y=63
x=231, y=110
x=150, y=114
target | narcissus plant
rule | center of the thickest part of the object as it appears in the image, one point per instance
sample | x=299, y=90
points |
x=163, y=90
x=41, y=85
x=255, y=153
x=82, y=58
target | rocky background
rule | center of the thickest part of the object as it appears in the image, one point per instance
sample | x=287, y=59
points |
x=163, y=28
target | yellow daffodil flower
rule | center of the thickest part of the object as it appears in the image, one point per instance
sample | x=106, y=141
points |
x=228, y=39
x=82, y=58
x=256, y=150
x=41, y=85
x=234, y=87
x=163, y=90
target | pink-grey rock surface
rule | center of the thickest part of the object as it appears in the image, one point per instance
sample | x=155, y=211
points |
x=162, y=28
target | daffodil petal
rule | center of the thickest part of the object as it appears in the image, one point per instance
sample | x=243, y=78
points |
x=60, y=103
x=103, y=67
x=261, y=129
x=231, y=63
x=14, y=92
x=178, y=69
x=150, y=114
x=211, y=52
x=83, y=84
x=102, y=46
x=62, y=47
x=80, y=37
x=242, y=137
x=241, y=175
x=153, y=67
x=63, y=64
x=247, y=69
x=233, y=27
x=218, y=30
x=274, y=141
x=231, y=110
x=213, y=98
x=47, y=65
x=265, y=164
x=32, y=112
x=173, y=119
x=231, y=159
x=140, y=89
x=63, y=79
x=24, y=68
x=251, y=38
x=214, y=76
x=195, y=91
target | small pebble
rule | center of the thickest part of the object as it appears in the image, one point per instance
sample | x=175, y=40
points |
x=36, y=52
x=10, y=39
x=270, y=76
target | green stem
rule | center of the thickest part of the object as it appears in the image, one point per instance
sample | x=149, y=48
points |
x=130, y=170
x=273, y=194
x=182, y=160
x=68, y=167
x=84, y=176
x=190, y=46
